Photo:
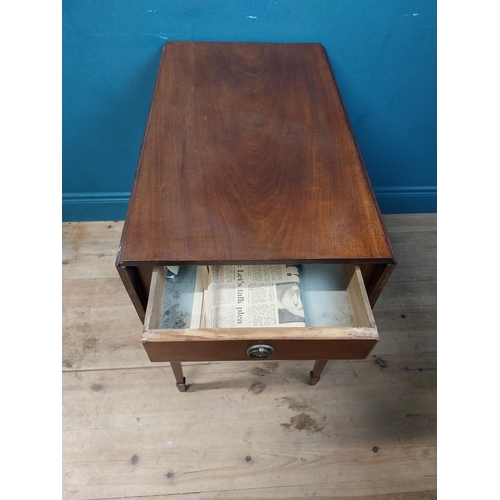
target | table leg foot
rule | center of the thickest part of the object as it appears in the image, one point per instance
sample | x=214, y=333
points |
x=182, y=386
x=180, y=379
x=315, y=373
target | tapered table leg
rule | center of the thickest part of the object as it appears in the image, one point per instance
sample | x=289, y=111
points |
x=316, y=371
x=180, y=379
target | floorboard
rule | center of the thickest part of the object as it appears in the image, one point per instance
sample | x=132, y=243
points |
x=248, y=429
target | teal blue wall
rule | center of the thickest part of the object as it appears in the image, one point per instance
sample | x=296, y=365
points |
x=383, y=53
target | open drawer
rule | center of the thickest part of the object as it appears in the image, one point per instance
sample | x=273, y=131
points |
x=339, y=323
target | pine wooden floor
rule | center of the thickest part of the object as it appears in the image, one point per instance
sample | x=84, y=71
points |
x=246, y=430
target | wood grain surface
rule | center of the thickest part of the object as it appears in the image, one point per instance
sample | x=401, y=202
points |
x=248, y=155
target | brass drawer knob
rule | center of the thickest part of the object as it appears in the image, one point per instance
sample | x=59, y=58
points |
x=260, y=351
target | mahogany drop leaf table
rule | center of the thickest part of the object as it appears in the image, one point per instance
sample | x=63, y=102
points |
x=248, y=157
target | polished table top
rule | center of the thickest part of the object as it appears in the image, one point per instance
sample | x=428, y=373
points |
x=248, y=155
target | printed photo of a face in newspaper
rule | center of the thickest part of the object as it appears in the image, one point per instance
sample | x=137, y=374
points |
x=290, y=308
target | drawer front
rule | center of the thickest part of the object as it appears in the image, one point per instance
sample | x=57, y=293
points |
x=355, y=341
x=236, y=350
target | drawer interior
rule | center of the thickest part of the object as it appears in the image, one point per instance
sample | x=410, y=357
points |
x=325, y=296
x=339, y=320
x=333, y=295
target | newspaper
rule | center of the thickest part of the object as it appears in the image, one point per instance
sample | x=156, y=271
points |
x=252, y=296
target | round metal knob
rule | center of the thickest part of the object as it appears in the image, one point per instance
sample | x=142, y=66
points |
x=260, y=351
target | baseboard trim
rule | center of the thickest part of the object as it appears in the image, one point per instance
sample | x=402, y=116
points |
x=113, y=206
x=84, y=207
x=407, y=199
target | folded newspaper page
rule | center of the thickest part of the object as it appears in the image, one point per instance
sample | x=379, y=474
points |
x=253, y=295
